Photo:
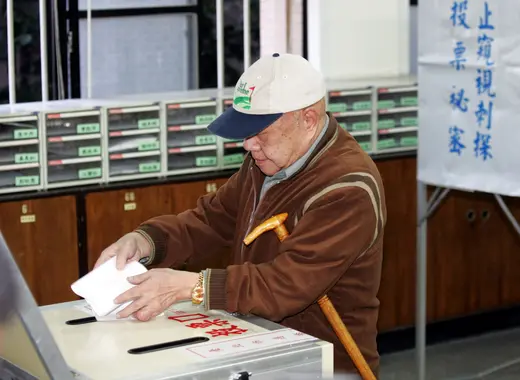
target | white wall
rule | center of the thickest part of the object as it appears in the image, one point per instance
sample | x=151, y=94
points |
x=355, y=39
x=281, y=26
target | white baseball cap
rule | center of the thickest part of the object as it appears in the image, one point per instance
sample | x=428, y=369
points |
x=270, y=87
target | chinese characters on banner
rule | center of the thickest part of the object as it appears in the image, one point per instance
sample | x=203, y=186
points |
x=469, y=109
x=482, y=104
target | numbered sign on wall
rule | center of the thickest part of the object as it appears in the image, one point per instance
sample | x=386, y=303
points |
x=469, y=111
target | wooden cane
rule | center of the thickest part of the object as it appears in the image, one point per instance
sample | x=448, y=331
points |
x=276, y=224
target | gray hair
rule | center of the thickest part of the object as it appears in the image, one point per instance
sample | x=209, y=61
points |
x=7, y=289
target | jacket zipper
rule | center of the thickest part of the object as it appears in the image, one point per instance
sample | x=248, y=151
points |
x=250, y=216
x=253, y=212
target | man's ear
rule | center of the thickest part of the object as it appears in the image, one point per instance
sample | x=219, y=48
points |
x=310, y=118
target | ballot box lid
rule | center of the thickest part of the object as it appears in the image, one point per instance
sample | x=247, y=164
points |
x=187, y=342
x=27, y=350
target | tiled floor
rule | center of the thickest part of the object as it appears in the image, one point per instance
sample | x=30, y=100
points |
x=494, y=356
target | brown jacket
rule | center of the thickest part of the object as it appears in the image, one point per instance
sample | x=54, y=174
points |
x=337, y=214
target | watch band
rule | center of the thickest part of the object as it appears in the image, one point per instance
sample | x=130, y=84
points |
x=197, y=294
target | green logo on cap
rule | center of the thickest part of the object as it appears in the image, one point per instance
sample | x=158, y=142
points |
x=243, y=95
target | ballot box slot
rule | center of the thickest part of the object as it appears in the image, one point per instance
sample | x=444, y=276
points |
x=81, y=321
x=167, y=345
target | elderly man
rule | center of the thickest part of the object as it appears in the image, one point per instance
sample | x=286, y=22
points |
x=301, y=163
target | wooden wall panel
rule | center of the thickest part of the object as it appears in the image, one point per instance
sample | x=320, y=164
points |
x=450, y=231
x=485, y=262
x=186, y=196
x=397, y=291
x=470, y=250
x=42, y=234
x=473, y=252
x=111, y=214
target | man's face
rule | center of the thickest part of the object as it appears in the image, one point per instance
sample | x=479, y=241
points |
x=275, y=147
x=284, y=141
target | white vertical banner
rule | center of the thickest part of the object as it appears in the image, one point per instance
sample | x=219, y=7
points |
x=469, y=95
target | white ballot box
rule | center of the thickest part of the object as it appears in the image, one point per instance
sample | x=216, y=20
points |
x=185, y=343
x=64, y=341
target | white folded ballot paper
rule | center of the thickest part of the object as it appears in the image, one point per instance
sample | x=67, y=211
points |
x=101, y=287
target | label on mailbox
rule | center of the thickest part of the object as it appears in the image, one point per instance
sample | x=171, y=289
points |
x=86, y=151
x=205, y=119
x=149, y=145
x=386, y=143
x=149, y=167
x=148, y=123
x=366, y=146
x=205, y=140
x=385, y=124
x=360, y=106
x=26, y=158
x=409, y=101
x=89, y=173
x=337, y=107
x=409, y=141
x=206, y=161
x=22, y=134
x=385, y=104
x=361, y=126
x=28, y=180
x=231, y=159
x=409, y=121
x=86, y=128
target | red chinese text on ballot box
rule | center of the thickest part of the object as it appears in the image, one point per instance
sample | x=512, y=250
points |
x=204, y=322
x=223, y=328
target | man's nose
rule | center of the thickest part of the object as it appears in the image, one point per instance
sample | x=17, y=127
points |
x=250, y=144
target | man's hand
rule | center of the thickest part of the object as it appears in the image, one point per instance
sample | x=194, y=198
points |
x=131, y=247
x=155, y=291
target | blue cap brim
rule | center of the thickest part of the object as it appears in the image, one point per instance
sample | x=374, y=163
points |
x=235, y=125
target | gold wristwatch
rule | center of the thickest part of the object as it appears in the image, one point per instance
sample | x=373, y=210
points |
x=197, y=294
